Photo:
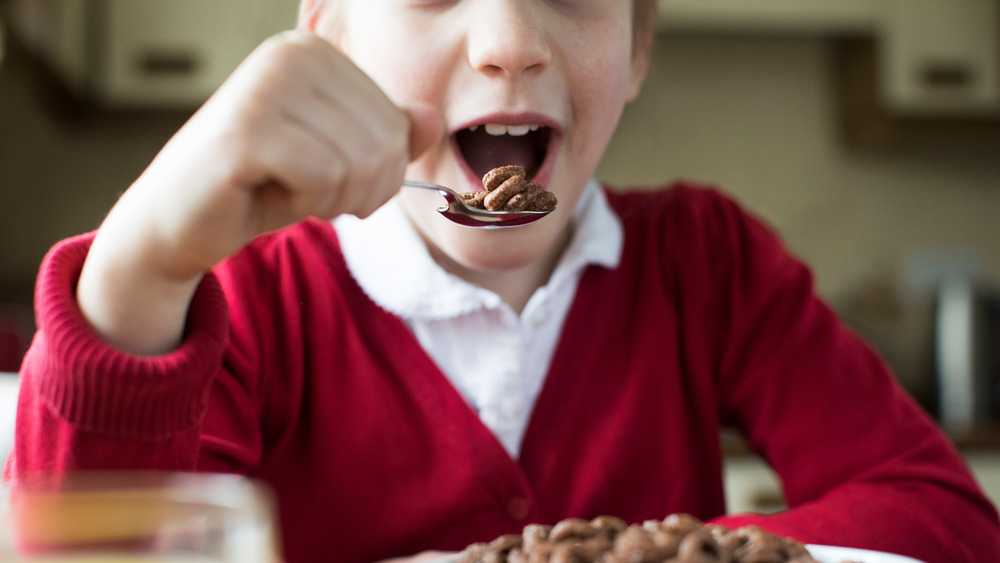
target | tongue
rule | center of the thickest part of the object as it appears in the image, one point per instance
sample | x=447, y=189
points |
x=485, y=152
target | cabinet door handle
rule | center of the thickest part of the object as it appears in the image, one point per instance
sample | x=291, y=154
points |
x=164, y=63
x=946, y=76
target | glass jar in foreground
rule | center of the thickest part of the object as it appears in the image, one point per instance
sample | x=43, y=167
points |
x=137, y=516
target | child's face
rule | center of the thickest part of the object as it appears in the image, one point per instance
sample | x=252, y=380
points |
x=540, y=83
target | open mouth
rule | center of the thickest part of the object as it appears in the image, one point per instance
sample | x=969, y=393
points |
x=485, y=147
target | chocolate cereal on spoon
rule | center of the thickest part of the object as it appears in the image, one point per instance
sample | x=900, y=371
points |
x=508, y=189
x=509, y=200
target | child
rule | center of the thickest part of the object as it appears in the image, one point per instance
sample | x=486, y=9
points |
x=407, y=384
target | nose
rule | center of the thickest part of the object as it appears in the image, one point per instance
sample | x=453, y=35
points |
x=508, y=39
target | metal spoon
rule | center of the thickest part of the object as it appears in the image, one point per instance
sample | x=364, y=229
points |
x=459, y=212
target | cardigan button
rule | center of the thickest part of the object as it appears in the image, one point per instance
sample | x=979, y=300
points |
x=518, y=508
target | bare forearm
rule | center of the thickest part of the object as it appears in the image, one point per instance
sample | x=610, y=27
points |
x=296, y=131
x=130, y=303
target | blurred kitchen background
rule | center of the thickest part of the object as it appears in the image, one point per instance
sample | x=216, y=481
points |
x=867, y=132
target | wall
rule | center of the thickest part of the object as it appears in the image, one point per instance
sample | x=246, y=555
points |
x=59, y=177
x=60, y=171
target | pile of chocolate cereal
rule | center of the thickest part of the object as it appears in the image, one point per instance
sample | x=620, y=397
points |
x=508, y=189
x=679, y=538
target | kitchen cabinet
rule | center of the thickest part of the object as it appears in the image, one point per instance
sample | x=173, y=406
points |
x=907, y=73
x=931, y=57
x=147, y=53
x=934, y=57
x=869, y=122
x=770, y=16
x=940, y=56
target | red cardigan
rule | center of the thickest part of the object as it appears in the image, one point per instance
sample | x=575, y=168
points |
x=289, y=373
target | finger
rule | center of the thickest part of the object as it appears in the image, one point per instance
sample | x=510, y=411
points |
x=312, y=173
x=367, y=129
x=377, y=153
x=427, y=127
x=382, y=188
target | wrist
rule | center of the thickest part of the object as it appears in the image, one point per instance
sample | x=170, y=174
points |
x=129, y=300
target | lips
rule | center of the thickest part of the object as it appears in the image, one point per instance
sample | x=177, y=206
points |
x=500, y=141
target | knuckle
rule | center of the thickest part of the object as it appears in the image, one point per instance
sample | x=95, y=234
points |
x=281, y=56
x=369, y=163
x=333, y=176
x=291, y=38
x=316, y=170
x=397, y=135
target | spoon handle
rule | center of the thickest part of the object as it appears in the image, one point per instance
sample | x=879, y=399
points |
x=448, y=193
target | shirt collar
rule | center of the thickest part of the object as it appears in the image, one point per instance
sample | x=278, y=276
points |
x=390, y=262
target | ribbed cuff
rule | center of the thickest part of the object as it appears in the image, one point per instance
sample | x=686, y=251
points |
x=97, y=387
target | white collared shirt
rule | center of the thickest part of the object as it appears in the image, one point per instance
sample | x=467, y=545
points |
x=500, y=372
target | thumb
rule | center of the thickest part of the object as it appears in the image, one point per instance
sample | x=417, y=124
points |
x=426, y=128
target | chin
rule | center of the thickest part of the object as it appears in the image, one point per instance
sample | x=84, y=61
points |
x=496, y=259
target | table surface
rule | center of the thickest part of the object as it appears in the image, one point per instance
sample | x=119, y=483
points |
x=8, y=406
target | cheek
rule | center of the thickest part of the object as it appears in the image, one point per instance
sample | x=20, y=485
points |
x=405, y=74
x=599, y=93
x=600, y=71
x=407, y=84
x=604, y=88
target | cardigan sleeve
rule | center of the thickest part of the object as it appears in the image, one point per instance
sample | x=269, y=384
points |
x=861, y=464
x=86, y=405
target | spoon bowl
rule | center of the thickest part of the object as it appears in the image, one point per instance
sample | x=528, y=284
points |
x=459, y=212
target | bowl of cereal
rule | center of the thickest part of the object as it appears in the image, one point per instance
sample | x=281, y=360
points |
x=678, y=537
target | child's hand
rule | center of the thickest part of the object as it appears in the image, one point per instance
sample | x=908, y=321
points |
x=297, y=130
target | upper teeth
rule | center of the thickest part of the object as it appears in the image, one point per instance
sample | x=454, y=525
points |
x=498, y=129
